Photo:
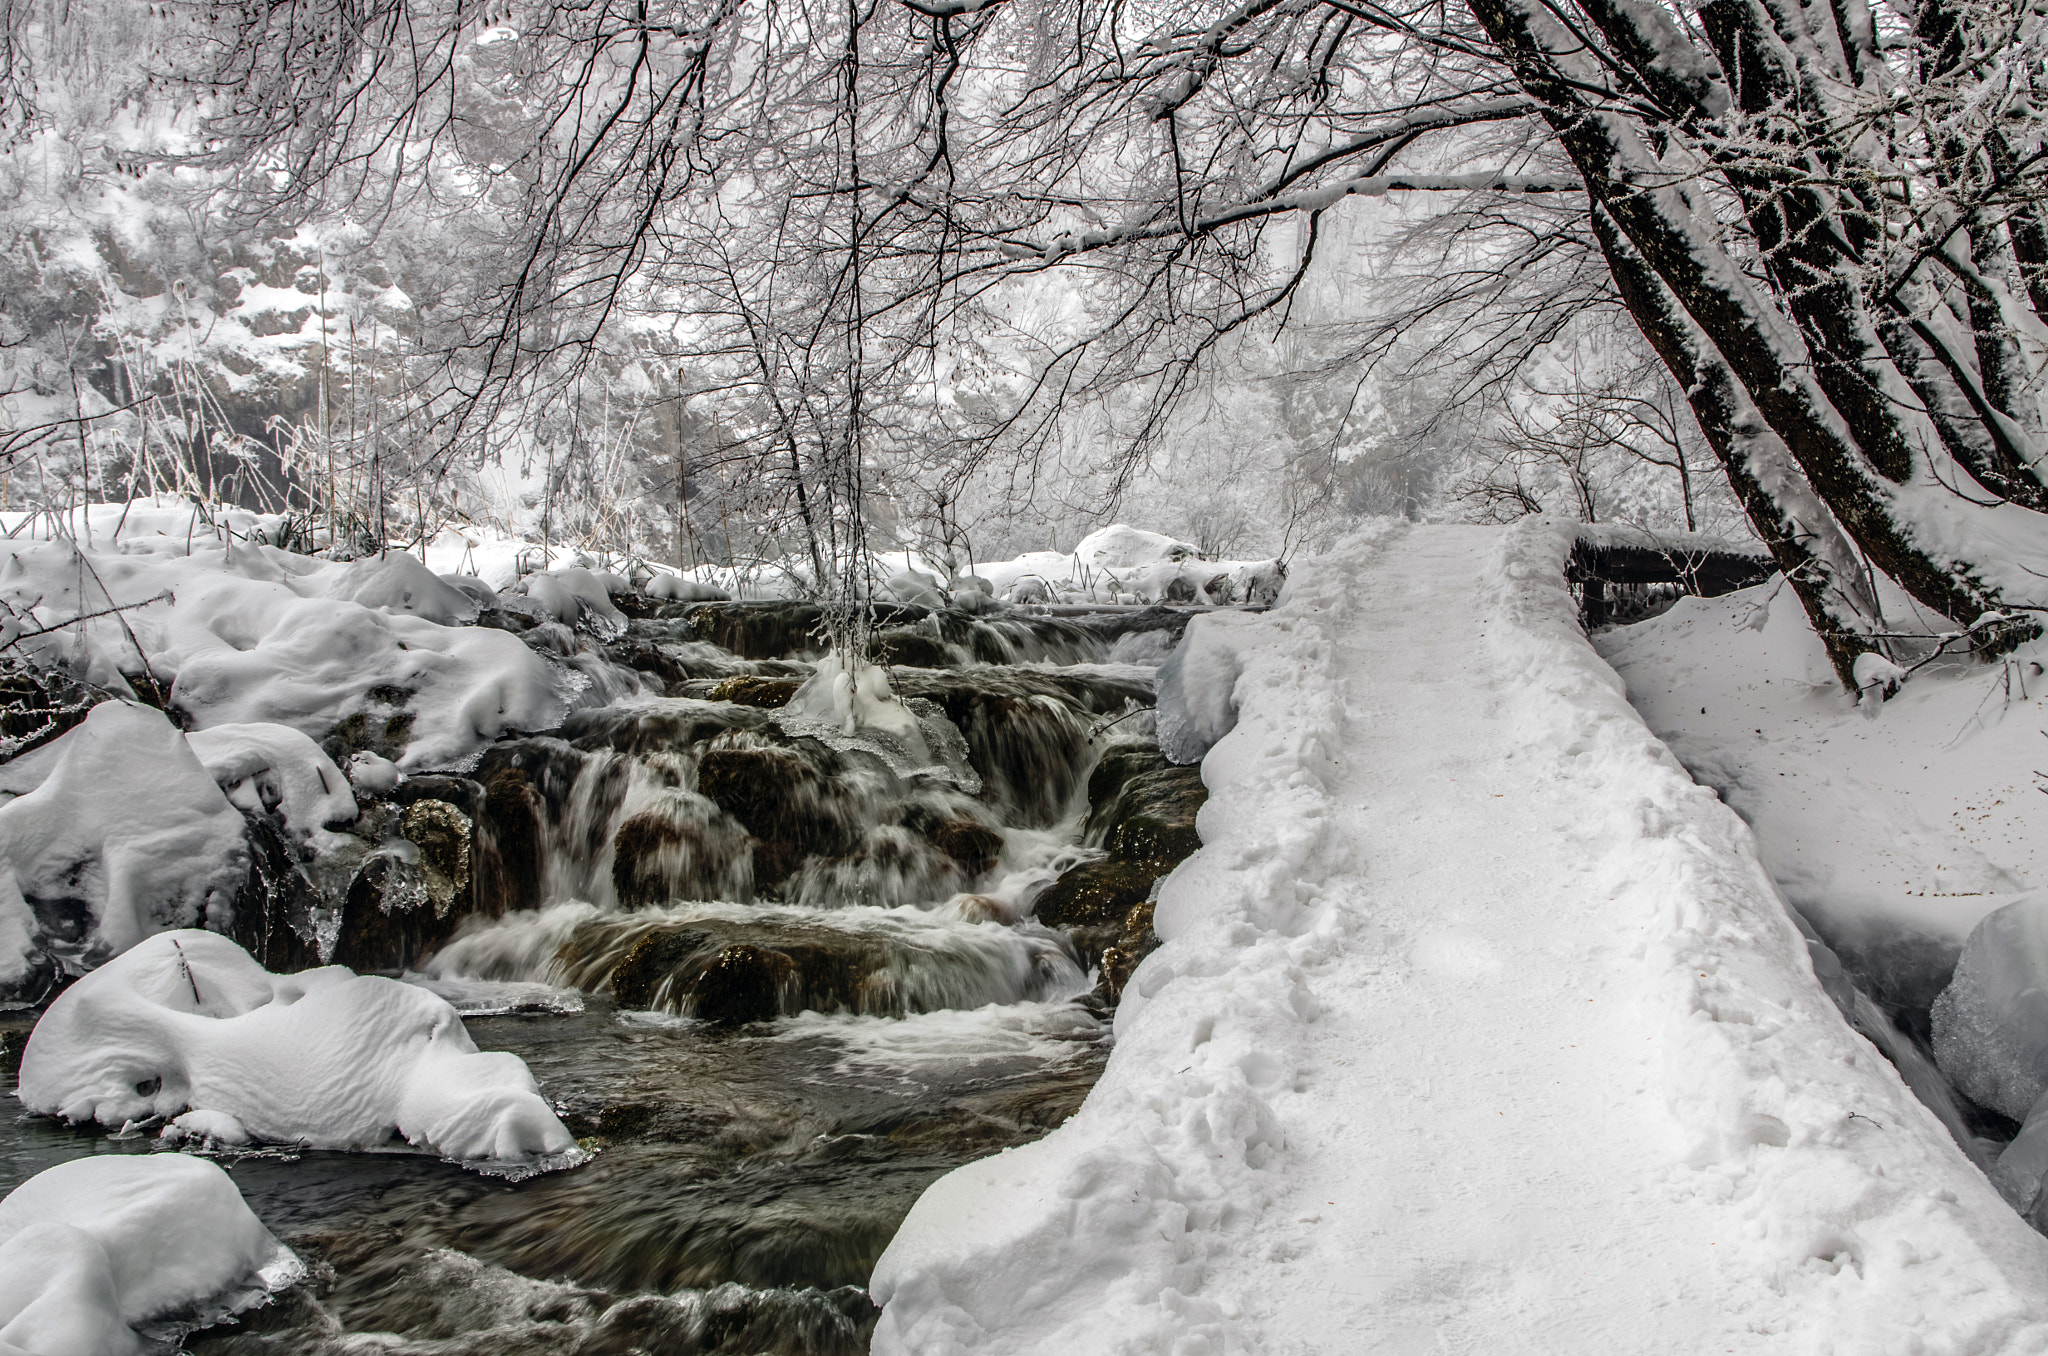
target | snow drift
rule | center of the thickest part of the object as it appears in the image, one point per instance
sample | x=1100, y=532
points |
x=187, y=1027
x=92, y=1248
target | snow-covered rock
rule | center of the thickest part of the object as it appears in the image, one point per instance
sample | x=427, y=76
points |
x=1118, y=548
x=274, y=767
x=914, y=587
x=1991, y=1023
x=187, y=1022
x=93, y=1247
x=677, y=588
x=127, y=834
x=398, y=583
x=1197, y=687
x=578, y=597
x=246, y=633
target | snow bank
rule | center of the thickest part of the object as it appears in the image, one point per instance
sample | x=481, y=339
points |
x=245, y=633
x=1879, y=1236
x=126, y=835
x=91, y=1248
x=1104, y=1236
x=1197, y=686
x=186, y=1026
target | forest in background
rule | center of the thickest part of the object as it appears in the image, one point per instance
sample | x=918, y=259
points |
x=161, y=337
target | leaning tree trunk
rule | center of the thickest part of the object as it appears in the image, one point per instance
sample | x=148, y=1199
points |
x=1805, y=351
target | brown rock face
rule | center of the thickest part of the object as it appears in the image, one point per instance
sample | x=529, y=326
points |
x=1094, y=894
x=748, y=690
x=974, y=846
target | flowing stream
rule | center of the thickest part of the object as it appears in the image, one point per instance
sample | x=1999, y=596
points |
x=780, y=977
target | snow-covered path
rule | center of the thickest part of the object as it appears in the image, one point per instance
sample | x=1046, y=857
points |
x=1478, y=1028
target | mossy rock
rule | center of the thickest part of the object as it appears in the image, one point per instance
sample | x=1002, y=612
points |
x=1121, y=959
x=1143, y=810
x=442, y=834
x=749, y=690
x=1094, y=894
x=1159, y=844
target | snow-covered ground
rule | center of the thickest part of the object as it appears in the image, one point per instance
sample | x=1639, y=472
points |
x=1479, y=1026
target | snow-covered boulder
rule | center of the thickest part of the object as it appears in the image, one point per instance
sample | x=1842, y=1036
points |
x=914, y=587
x=398, y=583
x=1991, y=1023
x=93, y=1247
x=126, y=835
x=578, y=597
x=1197, y=687
x=187, y=1026
x=674, y=588
x=265, y=767
x=1118, y=548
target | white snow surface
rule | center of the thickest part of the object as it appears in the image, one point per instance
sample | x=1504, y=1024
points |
x=187, y=1022
x=1478, y=1026
x=92, y=1247
x=127, y=820
x=245, y=633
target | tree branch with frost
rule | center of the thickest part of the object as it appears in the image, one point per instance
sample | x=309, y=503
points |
x=12, y=633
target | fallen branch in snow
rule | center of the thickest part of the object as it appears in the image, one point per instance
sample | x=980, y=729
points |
x=19, y=636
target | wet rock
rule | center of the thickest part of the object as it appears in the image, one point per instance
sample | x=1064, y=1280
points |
x=384, y=728
x=776, y=630
x=442, y=833
x=644, y=656
x=752, y=690
x=389, y=920
x=278, y=909
x=1027, y=730
x=666, y=727
x=461, y=792
x=759, y=630
x=1143, y=809
x=781, y=798
x=974, y=846
x=742, y=984
x=1180, y=589
x=1121, y=958
x=911, y=649
x=650, y=859
x=523, y=781
x=638, y=982
x=1094, y=894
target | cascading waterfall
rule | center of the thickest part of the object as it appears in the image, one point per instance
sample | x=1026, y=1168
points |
x=780, y=973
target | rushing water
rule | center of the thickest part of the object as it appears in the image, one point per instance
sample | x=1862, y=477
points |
x=781, y=980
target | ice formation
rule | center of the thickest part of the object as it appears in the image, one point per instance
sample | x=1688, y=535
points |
x=1991, y=1023
x=187, y=1027
x=93, y=1247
